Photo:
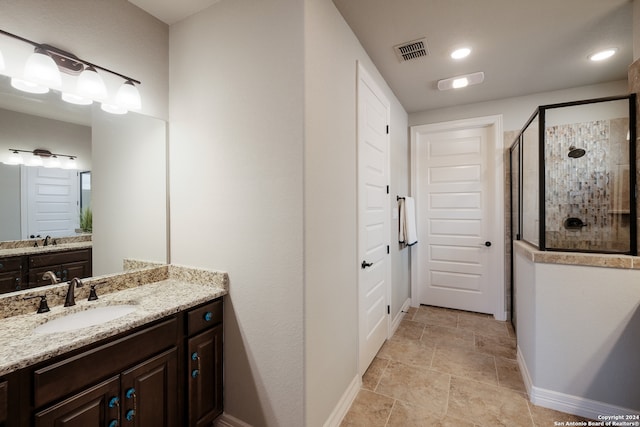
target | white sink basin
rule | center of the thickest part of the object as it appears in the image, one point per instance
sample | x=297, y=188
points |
x=84, y=319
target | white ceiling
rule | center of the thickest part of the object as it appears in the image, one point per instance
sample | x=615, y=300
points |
x=523, y=47
x=172, y=11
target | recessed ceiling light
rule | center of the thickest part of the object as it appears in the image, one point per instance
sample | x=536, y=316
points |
x=460, y=53
x=461, y=81
x=603, y=54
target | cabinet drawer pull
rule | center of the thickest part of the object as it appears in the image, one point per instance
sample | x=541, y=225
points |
x=208, y=316
x=114, y=402
x=196, y=357
x=131, y=393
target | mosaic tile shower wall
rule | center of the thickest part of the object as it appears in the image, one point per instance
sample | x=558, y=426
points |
x=587, y=207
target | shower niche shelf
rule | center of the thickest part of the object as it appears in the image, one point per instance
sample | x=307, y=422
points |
x=572, y=177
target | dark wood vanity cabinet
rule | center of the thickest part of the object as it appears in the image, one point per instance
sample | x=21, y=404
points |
x=66, y=265
x=26, y=271
x=165, y=374
x=204, y=364
x=11, y=273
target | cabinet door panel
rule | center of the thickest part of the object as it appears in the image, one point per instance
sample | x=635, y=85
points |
x=87, y=409
x=205, y=377
x=149, y=392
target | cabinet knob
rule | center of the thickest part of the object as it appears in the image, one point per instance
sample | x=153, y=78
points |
x=113, y=423
x=130, y=414
x=195, y=373
x=130, y=393
x=208, y=316
x=194, y=355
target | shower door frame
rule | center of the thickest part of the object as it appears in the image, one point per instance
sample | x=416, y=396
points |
x=540, y=115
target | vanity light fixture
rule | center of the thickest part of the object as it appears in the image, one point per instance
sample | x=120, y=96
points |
x=603, y=54
x=461, y=81
x=42, y=72
x=39, y=157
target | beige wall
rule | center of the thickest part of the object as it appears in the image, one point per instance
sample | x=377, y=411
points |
x=236, y=154
x=331, y=260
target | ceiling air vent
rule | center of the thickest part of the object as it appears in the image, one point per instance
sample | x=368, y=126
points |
x=412, y=50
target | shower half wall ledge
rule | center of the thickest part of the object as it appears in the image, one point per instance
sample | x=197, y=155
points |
x=573, y=177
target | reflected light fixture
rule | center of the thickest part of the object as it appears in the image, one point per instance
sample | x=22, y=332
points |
x=461, y=81
x=39, y=157
x=603, y=54
x=42, y=72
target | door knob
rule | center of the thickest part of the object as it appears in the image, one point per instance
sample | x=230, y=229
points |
x=366, y=264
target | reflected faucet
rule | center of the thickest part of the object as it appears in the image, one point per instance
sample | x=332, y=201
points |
x=45, y=242
x=50, y=275
x=70, y=299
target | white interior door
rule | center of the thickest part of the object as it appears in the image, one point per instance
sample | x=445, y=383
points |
x=50, y=202
x=373, y=218
x=460, y=253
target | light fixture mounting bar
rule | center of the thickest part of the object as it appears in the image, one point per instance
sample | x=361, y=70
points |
x=54, y=51
x=42, y=153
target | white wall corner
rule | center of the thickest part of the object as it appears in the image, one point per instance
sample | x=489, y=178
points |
x=226, y=420
x=567, y=403
x=344, y=403
x=395, y=323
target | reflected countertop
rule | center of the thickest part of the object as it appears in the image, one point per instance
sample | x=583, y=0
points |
x=33, y=250
x=157, y=292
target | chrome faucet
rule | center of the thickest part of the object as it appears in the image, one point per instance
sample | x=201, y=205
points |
x=50, y=275
x=70, y=299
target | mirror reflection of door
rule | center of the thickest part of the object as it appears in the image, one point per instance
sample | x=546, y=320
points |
x=50, y=202
x=85, y=190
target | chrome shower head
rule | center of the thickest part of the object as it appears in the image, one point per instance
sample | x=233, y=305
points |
x=576, y=153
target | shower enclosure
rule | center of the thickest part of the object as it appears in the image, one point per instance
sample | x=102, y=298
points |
x=573, y=169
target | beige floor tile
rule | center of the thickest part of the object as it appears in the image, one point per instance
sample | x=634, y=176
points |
x=465, y=363
x=473, y=314
x=369, y=409
x=421, y=387
x=509, y=374
x=411, y=352
x=483, y=326
x=444, y=336
x=501, y=346
x=406, y=414
x=409, y=329
x=436, y=316
x=411, y=312
x=486, y=405
x=372, y=376
x=543, y=417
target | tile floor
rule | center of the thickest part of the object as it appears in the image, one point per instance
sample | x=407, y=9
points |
x=446, y=368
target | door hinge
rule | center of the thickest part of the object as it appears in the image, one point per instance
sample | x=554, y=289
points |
x=387, y=248
x=388, y=309
x=387, y=129
x=387, y=189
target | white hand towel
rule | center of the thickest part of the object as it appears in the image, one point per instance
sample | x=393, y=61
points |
x=410, y=221
x=402, y=230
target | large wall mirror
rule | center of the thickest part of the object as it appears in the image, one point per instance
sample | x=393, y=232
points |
x=121, y=172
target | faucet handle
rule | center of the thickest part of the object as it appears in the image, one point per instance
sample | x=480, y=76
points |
x=92, y=293
x=44, y=307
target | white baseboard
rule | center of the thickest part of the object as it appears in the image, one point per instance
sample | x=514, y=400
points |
x=226, y=420
x=344, y=403
x=395, y=323
x=567, y=403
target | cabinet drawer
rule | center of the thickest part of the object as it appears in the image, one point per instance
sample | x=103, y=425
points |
x=204, y=317
x=10, y=264
x=57, y=258
x=74, y=373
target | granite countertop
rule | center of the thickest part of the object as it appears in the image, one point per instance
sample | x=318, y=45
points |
x=60, y=247
x=170, y=289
